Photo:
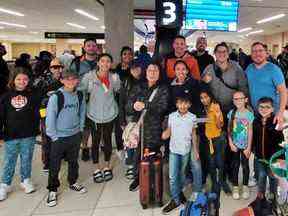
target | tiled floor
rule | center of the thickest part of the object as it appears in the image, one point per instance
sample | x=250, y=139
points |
x=107, y=199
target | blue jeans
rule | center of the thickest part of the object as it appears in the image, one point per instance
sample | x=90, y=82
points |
x=24, y=147
x=196, y=170
x=177, y=166
x=264, y=171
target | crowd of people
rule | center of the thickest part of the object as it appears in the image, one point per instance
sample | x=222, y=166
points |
x=208, y=113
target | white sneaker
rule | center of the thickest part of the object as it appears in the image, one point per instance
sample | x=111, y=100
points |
x=51, y=199
x=4, y=190
x=27, y=186
x=78, y=188
x=235, y=193
x=245, y=192
x=252, y=182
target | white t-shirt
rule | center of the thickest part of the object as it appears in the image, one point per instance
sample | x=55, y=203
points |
x=181, y=132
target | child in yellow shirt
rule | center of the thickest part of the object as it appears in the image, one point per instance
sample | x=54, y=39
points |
x=216, y=141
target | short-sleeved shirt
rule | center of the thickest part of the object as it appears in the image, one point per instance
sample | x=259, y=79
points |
x=241, y=123
x=263, y=82
x=181, y=132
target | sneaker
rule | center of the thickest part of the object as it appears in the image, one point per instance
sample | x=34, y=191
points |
x=134, y=186
x=51, y=199
x=245, y=192
x=27, y=185
x=78, y=188
x=85, y=154
x=45, y=169
x=252, y=182
x=235, y=193
x=4, y=190
x=226, y=188
x=170, y=207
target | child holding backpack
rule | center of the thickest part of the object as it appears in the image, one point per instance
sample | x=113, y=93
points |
x=19, y=123
x=64, y=124
x=240, y=130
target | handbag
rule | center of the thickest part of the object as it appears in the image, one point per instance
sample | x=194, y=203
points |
x=131, y=133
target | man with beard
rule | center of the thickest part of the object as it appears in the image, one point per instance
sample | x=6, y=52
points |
x=266, y=80
x=202, y=56
x=82, y=65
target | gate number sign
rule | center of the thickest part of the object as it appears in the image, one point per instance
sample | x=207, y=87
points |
x=169, y=13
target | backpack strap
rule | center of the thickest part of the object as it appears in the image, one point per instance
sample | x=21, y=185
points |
x=219, y=75
x=77, y=61
x=60, y=101
x=80, y=99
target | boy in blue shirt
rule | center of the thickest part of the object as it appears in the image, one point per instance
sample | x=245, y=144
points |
x=183, y=146
x=64, y=125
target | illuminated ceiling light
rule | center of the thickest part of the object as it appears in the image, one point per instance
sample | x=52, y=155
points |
x=84, y=13
x=76, y=25
x=15, y=13
x=13, y=24
x=255, y=32
x=1, y=27
x=269, y=19
x=34, y=32
x=102, y=27
x=245, y=29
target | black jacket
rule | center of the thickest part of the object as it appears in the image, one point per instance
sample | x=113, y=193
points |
x=190, y=88
x=266, y=139
x=126, y=87
x=4, y=75
x=203, y=60
x=155, y=112
x=19, y=114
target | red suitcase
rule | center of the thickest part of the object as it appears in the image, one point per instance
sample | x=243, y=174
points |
x=151, y=177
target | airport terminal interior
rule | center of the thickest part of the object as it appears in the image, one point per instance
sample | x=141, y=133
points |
x=60, y=27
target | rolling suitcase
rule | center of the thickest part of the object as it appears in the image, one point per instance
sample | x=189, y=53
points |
x=150, y=177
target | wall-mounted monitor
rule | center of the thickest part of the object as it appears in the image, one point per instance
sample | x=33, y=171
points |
x=215, y=15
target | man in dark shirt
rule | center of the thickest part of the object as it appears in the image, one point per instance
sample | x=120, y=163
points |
x=202, y=56
x=4, y=71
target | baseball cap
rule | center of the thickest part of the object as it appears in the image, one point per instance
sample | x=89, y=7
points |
x=69, y=73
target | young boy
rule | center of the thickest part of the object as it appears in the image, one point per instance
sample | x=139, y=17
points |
x=181, y=130
x=64, y=124
x=266, y=140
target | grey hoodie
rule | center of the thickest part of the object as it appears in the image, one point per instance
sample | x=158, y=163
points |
x=71, y=118
x=102, y=106
x=235, y=77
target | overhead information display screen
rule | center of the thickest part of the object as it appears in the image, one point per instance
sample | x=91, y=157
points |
x=217, y=15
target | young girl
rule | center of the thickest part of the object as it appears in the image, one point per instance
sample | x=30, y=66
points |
x=102, y=111
x=212, y=134
x=240, y=131
x=19, y=123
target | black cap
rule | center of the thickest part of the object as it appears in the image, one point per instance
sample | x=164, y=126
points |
x=69, y=73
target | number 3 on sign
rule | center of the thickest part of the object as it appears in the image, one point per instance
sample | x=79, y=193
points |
x=170, y=10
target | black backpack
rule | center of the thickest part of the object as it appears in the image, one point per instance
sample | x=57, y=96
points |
x=60, y=100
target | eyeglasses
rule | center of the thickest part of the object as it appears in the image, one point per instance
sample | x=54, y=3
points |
x=258, y=51
x=239, y=99
x=265, y=107
x=56, y=67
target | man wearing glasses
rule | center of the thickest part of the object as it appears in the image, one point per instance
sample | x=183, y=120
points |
x=266, y=80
